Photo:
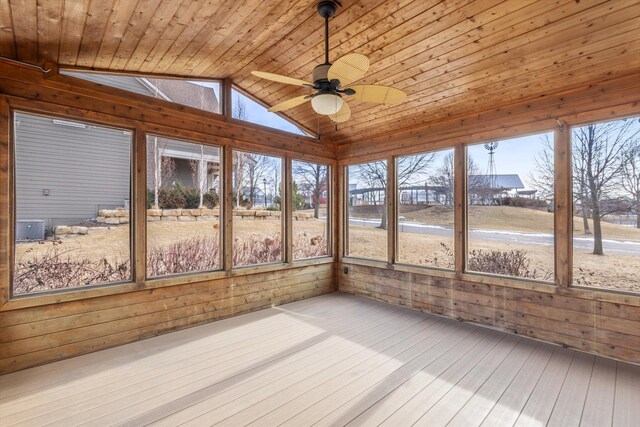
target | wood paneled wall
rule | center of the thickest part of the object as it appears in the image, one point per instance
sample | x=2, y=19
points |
x=39, y=329
x=593, y=320
x=574, y=319
x=36, y=335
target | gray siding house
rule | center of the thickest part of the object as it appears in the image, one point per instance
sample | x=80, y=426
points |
x=68, y=170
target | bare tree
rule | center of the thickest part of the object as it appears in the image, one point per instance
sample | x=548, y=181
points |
x=315, y=177
x=258, y=167
x=445, y=179
x=199, y=175
x=600, y=148
x=630, y=177
x=409, y=169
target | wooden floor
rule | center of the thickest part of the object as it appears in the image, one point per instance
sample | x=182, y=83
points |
x=331, y=360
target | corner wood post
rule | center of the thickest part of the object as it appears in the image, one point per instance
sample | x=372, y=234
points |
x=460, y=208
x=562, y=206
x=392, y=214
x=227, y=208
x=287, y=210
x=139, y=220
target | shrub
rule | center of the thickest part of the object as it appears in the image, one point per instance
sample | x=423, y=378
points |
x=172, y=198
x=305, y=246
x=57, y=269
x=210, y=199
x=508, y=263
x=197, y=254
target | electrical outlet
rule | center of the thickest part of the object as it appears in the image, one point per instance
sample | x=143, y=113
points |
x=345, y=270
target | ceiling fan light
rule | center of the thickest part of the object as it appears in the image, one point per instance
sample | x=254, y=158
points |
x=326, y=103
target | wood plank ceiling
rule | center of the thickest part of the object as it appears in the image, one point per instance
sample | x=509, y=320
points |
x=452, y=57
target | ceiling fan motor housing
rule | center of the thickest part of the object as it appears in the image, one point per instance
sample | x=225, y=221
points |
x=327, y=9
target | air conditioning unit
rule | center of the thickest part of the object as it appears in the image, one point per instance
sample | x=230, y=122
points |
x=29, y=230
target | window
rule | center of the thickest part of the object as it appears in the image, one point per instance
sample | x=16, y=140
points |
x=204, y=95
x=183, y=207
x=509, y=213
x=72, y=210
x=310, y=206
x=257, y=214
x=606, y=205
x=425, y=209
x=367, y=211
x=245, y=108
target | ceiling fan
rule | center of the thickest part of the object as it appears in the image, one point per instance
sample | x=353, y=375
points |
x=332, y=82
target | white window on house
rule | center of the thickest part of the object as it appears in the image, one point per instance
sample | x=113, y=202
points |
x=183, y=207
x=245, y=108
x=257, y=209
x=72, y=204
x=310, y=207
x=510, y=219
x=200, y=94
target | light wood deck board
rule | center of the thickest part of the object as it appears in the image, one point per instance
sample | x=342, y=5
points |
x=330, y=360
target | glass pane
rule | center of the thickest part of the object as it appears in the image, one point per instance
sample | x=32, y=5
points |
x=606, y=205
x=245, y=108
x=510, y=207
x=367, y=211
x=204, y=95
x=310, y=201
x=72, y=192
x=183, y=207
x=257, y=219
x=425, y=209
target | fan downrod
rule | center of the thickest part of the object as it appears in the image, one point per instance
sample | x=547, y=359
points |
x=327, y=8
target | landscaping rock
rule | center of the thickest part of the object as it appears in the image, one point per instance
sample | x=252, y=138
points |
x=186, y=218
x=121, y=213
x=124, y=220
x=79, y=230
x=112, y=221
x=62, y=230
x=171, y=212
x=169, y=218
x=153, y=218
x=206, y=212
x=262, y=213
x=101, y=219
x=154, y=212
x=206, y=218
x=191, y=212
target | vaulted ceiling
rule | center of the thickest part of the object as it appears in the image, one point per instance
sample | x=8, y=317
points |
x=452, y=57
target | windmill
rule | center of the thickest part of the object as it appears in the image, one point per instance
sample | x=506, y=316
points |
x=492, y=174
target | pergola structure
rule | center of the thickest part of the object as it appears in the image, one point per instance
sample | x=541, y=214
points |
x=300, y=328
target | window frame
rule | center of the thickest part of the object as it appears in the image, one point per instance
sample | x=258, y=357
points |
x=330, y=208
x=465, y=205
x=284, y=212
x=396, y=243
x=568, y=147
x=148, y=278
x=171, y=104
x=306, y=132
x=391, y=222
x=13, y=209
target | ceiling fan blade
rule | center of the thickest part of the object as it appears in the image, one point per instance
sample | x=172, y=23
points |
x=290, y=103
x=349, y=68
x=342, y=115
x=378, y=94
x=280, y=78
